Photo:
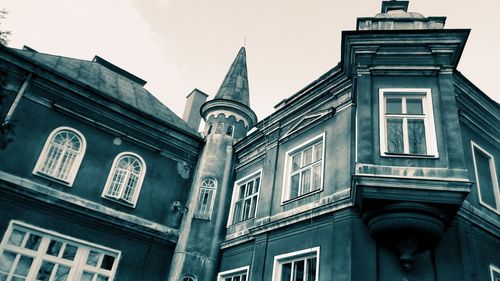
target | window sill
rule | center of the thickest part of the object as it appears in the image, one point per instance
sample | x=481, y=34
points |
x=301, y=196
x=242, y=222
x=121, y=202
x=408, y=155
x=51, y=178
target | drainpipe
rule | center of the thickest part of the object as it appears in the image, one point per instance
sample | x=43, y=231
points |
x=17, y=99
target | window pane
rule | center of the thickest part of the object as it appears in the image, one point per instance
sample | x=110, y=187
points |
x=485, y=178
x=257, y=184
x=54, y=248
x=414, y=106
x=33, y=242
x=23, y=266
x=286, y=272
x=93, y=258
x=311, y=269
x=62, y=273
x=107, y=262
x=246, y=209
x=45, y=271
x=16, y=237
x=294, y=186
x=6, y=261
x=69, y=252
x=416, y=136
x=316, y=181
x=244, y=277
x=249, y=188
x=87, y=276
x=306, y=181
x=393, y=105
x=318, y=151
x=395, y=135
x=242, y=191
x=237, y=212
x=307, y=156
x=252, y=207
x=298, y=270
x=296, y=162
x=104, y=278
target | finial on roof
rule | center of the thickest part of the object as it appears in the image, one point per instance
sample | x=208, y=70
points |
x=235, y=84
x=393, y=5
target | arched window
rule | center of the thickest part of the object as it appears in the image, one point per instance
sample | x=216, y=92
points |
x=125, y=178
x=188, y=278
x=206, y=199
x=219, y=129
x=61, y=155
x=229, y=131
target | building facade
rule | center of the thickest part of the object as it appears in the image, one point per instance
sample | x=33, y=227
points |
x=384, y=168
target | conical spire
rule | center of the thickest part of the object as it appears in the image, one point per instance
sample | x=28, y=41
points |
x=235, y=84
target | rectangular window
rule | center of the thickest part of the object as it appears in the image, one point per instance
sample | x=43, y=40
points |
x=486, y=178
x=407, y=123
x=245, y=198
x=238, y=274
x=304, y=169
x=297, y=266
x=31, y=253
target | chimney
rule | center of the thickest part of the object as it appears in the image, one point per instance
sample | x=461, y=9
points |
x=192, y=109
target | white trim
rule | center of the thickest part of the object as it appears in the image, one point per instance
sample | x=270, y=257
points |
x=286, y=168
x=234, y=198
x=76, y=165
x=493, y=270
x=211, y=207
x=228, y=273
x=430, y=128
x=494, y=179
x=297, y=255
x=78, y=265
x=138, y=185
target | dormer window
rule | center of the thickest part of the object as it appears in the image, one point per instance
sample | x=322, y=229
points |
x=407, y=123
x=61, y=155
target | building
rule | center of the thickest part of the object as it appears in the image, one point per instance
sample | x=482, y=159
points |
x=381, y=169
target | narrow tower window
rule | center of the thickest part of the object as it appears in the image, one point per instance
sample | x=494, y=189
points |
x=61, y=155
x=229, y=131
x=206, y=199
x=209, y=131
x=219, y=129
x=125, y=178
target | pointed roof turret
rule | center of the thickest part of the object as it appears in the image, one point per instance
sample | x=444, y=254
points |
x=233, y=98
x=235, y=84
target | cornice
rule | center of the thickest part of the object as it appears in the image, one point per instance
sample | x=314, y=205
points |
x=24, y=187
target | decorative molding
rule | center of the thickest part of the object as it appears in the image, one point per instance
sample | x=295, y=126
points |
x=25, y=187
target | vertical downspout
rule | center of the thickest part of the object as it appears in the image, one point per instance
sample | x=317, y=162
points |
x=16, y=100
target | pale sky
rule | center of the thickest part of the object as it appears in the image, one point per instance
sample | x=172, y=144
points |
x=179, y=45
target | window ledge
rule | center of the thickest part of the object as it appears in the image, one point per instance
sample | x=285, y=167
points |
x=408, y=155
x=301, y=196
x=121, y=202
x=51, y=178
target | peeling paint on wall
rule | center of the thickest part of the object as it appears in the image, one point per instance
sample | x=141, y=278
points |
x=183, y=170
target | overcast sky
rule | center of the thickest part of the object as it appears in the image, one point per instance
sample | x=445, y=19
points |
x=179, y=45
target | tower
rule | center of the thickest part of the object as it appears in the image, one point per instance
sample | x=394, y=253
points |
x=228, y=117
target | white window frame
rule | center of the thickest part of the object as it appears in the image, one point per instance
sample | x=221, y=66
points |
x=236, y=194
x=234, y=272
x=109, y=181
x=188, y=278
x=493, y=171
x=285, y=195
x=295, y=256
x=493, y=270
x=207, y=214
x=77, y=265
x=76, y=164
x=430, y=128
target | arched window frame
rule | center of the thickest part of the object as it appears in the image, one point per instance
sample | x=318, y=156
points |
x=188, y=278
x=119, y=198
x=211, y=191
x=73, y=170
x=209, y=130
x=230, y=130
